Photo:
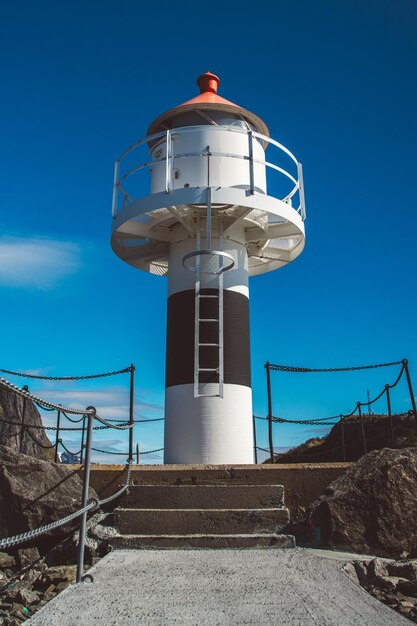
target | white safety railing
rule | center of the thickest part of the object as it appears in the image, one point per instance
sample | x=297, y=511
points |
x=121, y=198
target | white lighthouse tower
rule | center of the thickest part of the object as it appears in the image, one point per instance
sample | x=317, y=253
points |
x=225, y=202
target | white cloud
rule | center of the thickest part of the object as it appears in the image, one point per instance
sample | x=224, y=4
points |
x=36, y=263
x=112, y=402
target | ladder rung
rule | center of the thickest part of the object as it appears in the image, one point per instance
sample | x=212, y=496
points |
x=207, y=295
x=210, y=344
x=208, y=369
x=208, y=320
x=208, y=395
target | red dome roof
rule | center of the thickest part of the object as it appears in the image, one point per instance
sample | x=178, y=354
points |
x=208, y=100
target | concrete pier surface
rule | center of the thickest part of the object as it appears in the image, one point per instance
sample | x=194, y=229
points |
x=294, y=587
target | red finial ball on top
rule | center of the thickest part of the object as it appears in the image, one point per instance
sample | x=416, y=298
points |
x=208, y=82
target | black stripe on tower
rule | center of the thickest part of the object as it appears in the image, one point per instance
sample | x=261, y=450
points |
x=180, y=338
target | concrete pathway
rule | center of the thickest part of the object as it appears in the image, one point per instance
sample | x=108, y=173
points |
x=214, y=588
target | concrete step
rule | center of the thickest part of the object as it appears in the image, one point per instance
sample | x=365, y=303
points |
x=206, y=474
x=219, y=496
x=200, y=521
x=137, y=542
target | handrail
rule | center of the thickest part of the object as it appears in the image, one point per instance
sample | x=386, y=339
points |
x=170, y=156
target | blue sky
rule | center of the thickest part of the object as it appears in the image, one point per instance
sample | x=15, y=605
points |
x=334, y=81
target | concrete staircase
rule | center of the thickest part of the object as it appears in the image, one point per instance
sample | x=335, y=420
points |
x=203, y=507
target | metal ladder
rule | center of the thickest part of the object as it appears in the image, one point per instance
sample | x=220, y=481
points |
x=199, y=321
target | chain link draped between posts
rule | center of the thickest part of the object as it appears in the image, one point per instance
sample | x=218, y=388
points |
x=66, y=412
x=86, y=377
x=305, y=370
x=87, y=417
x=9, y=542
x=93, y=504
x=335, y=419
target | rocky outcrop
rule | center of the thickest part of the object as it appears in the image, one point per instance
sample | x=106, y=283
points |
x=372, y=507
x=35, y=492
x=29, y=580
x=12, y=409
x=392, y=582
x=354, y=437
x=24, y=591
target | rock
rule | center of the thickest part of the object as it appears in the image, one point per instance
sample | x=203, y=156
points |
x=31, y=574
x=408, y=587
x=10, y=593
x=350, y=570
x=406, y=569
x=34, y=493
x=361, y=572
x=96, y=543
x=6, y=560
x=28, y=556
x=376, y=568
x=383, y=582
x=17, y=607
x=27, y=597
x=370, y=506
x=63, y=573
x=11, y=410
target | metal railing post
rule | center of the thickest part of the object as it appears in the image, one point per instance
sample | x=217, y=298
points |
x=115, y=183
x=270, y=433
x=131, y=411
x=251, y=169
x=82, y=441
x=168, y=163
x=301, y=191
x=410, y=388
x=255, y=446
x=362, y=426
x=390, y=414
x=137, y=454
x=58, y=423
x=22, y=432
x=342, y=428
x=86, y=486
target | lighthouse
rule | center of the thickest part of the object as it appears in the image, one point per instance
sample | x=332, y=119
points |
x=208, y=199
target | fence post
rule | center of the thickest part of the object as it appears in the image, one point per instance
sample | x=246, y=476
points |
x=86, y=486
x=137, y=454
x=358, y=406
x=410, y=388
x=251, y=168
x=343, y=438
x=22, y=432
x=58, y=423
x=131, y=410
x=82, y=442
x=268, y=383
x=255, y=447
x=390, y=415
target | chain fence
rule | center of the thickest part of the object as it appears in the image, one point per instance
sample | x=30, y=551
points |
x=345, y=436
x=73, y=415
x=88, y=416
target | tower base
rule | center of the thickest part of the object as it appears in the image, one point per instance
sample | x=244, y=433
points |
x=208, y=430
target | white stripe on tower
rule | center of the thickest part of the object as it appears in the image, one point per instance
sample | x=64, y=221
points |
x=210, y=429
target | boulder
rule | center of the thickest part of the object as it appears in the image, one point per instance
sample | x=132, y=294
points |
x=12, y=409
x=6, y=560
x=35, y=492
x=371, y=507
